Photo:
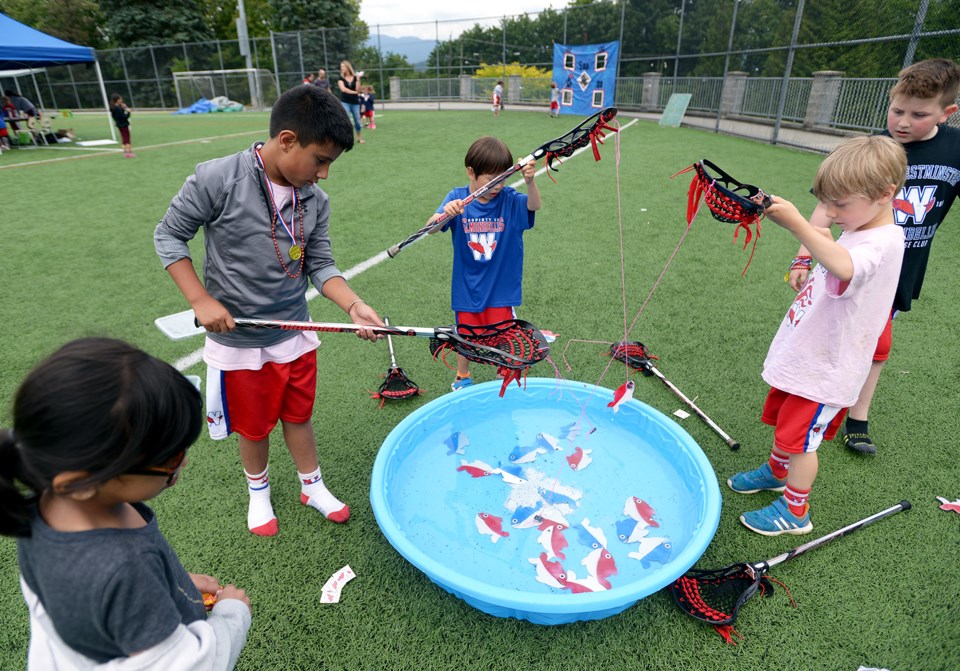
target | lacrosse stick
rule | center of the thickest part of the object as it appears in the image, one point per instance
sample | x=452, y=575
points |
x=590, y=132
x=396, y=385
x=635, y=355
x=513, y=345
x=716, y=596
x=728, y=200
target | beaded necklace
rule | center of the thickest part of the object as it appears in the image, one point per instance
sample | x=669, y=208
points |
x=297, y=250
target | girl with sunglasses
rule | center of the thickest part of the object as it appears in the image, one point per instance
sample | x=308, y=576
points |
x=98, y=428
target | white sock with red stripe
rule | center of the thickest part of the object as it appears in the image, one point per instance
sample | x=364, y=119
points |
x=315, y=494
x=796, y=499
x=260, y=517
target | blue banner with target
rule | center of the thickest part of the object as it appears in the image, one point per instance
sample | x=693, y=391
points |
x=586, y=76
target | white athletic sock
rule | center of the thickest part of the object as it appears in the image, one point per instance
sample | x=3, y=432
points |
x=260, y=517
x=315, y=494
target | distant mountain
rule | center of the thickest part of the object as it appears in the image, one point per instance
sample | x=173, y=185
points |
x=416, y=50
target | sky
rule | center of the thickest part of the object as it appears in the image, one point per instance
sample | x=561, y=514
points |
x=419, y=18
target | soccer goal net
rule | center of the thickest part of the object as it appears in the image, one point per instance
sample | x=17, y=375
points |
x=250, y=87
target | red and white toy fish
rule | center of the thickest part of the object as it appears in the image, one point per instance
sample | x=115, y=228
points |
x=491, y=525
x=949, y=505
x=580, y=459
x=550, y=573
x=623, y=394
x=640, y=510
x=600, y=565
x=477, y=468
x=552, y=539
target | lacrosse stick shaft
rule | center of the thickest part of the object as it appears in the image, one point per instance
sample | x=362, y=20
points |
x=393, y=360
x=734, y=445
x=839, y=533
x=333, y=327
x=438, y=223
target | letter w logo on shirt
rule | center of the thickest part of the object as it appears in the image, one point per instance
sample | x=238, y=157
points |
x=914, y=201
x=482, y=245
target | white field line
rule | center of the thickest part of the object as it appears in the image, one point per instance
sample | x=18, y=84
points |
x=196, y=356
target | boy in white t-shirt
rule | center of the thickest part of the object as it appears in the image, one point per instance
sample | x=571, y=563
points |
x=822, y=352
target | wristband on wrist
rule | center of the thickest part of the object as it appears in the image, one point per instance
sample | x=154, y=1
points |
x=802, y=263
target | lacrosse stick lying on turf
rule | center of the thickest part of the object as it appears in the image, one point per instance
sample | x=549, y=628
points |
x=728, y=200
x=589, y=132
x=396, y=385
x=635, y=355
x=716, y=596
x=512, y=345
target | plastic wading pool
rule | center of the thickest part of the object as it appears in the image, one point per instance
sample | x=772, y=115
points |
x=545, y=505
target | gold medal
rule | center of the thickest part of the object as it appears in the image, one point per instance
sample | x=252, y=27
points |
x=296, y=252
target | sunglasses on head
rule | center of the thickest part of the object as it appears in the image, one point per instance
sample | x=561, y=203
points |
x=170, y=472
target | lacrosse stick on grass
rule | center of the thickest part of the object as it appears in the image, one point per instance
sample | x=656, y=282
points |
x=728, y=200
x=716, y=596
x=396, y=385
x=512, y=345
x=634, y=354
x=589, y=132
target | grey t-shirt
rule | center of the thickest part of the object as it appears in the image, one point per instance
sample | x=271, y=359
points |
x=109, y=592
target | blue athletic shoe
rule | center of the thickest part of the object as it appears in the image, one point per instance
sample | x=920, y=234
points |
x=777, y=519
x=462, y=383
x=758, y=480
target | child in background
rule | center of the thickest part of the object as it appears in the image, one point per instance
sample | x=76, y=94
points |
x=821, y=353
x=121, y=116
x=487, y=241
x=98, y=428
x=257, y=263
x=366, y=107
x=554, y=100
x=497, y=98
x=921, y=101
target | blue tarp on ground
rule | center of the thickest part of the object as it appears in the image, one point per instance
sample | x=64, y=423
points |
x=23, y=47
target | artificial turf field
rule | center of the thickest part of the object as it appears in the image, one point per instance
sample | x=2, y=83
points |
x=78, y=260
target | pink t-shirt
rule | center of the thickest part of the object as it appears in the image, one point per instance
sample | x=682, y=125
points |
x=826, y=341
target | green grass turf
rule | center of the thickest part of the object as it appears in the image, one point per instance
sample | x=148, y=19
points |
x=78, y=260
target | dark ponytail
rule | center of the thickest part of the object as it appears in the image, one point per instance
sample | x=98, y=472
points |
x=16, y=505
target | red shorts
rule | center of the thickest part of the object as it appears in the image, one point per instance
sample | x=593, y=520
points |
x=368, y=113
x=256, y=399
x=554, y=105
x=496, y=101
x=799, y=423
x=488, y=316
x=124, y=135
x=886, y=340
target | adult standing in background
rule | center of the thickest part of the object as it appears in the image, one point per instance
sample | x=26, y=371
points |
x=322, y=80
x=349, y=84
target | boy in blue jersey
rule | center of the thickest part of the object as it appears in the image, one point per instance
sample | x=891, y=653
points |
x=487, y=237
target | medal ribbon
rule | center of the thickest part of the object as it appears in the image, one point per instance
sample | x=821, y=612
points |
x=291, y=229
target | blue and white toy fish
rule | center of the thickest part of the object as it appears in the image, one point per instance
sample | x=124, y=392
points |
x=653, y=549
x=456, y=443
x=547, y=441
x=630, y=530
x=525, y=517
x=592, y=537
x=524, y=455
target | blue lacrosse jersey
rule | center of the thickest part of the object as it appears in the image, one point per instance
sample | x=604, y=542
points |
x=488, y=250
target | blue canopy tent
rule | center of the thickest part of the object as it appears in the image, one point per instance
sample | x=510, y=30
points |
x=23, y=47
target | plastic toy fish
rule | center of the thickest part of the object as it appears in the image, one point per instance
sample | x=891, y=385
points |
x=556, y=498
x=949, y=505
x=592, y=537
x=640, y=510
x=524, y=455
x=588, y=584
x=511, y=469
x=580, y=459
x=554, y=514
x=491, y=525
x=550, y=573
x=546, y=440
x=456, y=442
x=525, y=517
x=552, y=539
x=509, y=477
x=631, y=531
x=600, y=565
x=623, y=394
x=653, y=549
x=571, y=431
x=476, y=469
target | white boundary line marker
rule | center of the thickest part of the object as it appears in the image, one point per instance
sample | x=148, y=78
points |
x=196, y=356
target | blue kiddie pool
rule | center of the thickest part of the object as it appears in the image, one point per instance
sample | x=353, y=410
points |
x=545, y=505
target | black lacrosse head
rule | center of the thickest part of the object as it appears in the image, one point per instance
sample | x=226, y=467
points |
x=591, y=131
x=728, y=199
x=396, y=386
x=716, y=596
x=634, y=354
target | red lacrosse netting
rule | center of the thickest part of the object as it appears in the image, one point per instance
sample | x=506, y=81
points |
x=633, y=353
x=592, y=131
x=728, y=200
x=396, y=387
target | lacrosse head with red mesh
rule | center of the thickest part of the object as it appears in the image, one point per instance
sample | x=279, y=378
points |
x=396, y=386
x=591, y=131
x=634, y=354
